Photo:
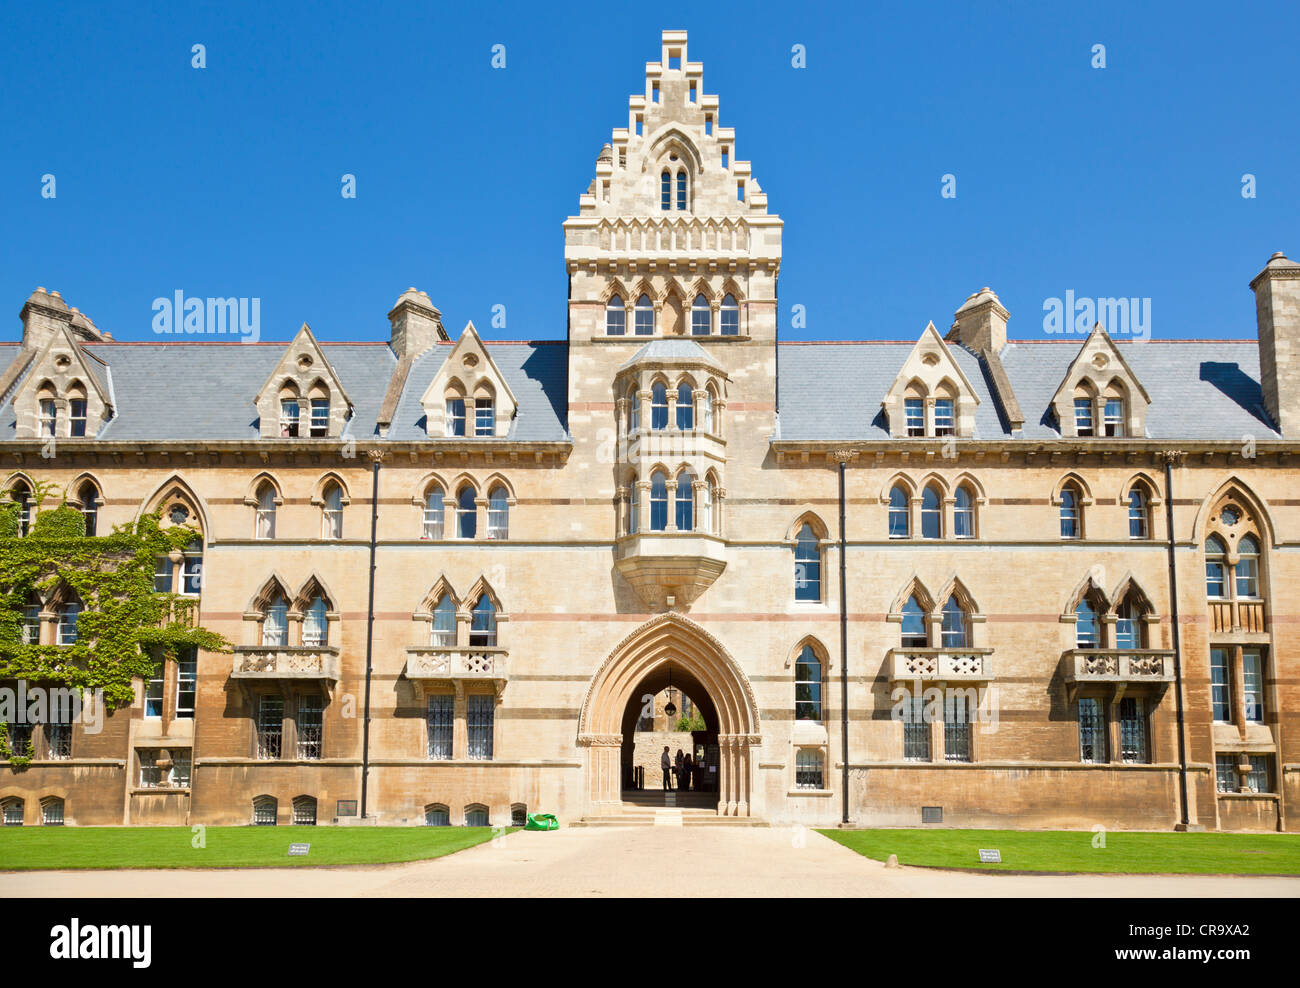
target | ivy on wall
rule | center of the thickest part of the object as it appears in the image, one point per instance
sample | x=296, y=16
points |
x=125, y=626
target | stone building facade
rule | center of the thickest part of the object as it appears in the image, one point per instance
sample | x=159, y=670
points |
x=1056, y=597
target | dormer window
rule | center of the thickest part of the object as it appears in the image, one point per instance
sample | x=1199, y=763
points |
x=914, y=416
x=77, y=413
x=289, y=411
x=320, y=417
x=485, y=422
x=455, y=417
x=49, y=417
x=1083, y=416
x=1113, y=420
x=945, y=424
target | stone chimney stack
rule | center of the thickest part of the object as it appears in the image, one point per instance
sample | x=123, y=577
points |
x=42, y=315
x=1277, y=314
x=981, y=323
x=417, y=325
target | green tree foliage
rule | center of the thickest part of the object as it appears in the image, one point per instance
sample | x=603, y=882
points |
x=125, y=625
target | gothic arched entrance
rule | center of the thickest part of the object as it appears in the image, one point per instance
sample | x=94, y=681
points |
x=669, y=646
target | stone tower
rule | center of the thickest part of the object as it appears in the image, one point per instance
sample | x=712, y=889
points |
x=673, y=247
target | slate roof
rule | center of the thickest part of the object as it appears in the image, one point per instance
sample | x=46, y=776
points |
x=1200, y=389
x=827, y=391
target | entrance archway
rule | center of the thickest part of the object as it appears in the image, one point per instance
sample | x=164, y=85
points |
x=641, y=663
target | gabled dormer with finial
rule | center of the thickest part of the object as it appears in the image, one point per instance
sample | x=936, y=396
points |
x=931, y=396
x=1100, y=395
x=469, y=396
x=303, y=398
x=65, y=392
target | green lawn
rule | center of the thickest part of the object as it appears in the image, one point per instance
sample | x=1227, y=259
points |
x=29, y=848
x=1073, y=851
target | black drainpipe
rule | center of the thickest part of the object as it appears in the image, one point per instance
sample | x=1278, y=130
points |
x=1173, y=614
x=375, y=457
x=844, y=653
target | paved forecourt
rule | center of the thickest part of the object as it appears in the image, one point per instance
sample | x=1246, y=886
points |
x=632, y=861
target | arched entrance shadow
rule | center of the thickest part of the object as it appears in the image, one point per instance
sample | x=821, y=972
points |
x=669, y=641
x=641, y=702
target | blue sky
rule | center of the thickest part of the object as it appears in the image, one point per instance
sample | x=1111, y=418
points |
x=1122, y=181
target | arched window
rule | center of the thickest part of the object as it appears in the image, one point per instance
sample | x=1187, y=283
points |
x=963, y=514
x=1085, y=625
x=483, y=624
x=914, y=410
x=1083, y=411
x=49, y=410
x=264, y=811
x=1112, y=415
x=666, y=190
x=1139, y=526
x=955, y=633
x=1071, y=513
x=807, y=685
x=685, y=406
x=1216, y=567
x=914, y=634
x=437, y=815
x=644, y=317
x=900, y=525
x=945, y=419
x=443, y=630
x=1128, y=626
x=319, y=406
x=304, y=811
x=264, y=514
x=807, y=565
x=518, y=814
x=88, y=503
x=32, y=619
x=485, y=414
x=633, y=410
x=1247, y=570
x=290, y=411
x=21, y=494
x=498, y=522
x=454, y=415
x=701, y=316
x=52, y=811
x=615, y=316
x=477, y=815
x=685, y=502
x=658, y=501
x=681, y=189
x=634, y=506
x=69, y=612
x=729, y=317
x=706, y=411
x=658, y=406
x=191, y=568
x=315, y=625
x=931, y=514
x=466, y=512
x=433, y=512
x=332, y=512
x=275, y=621
x=704, y=521
x=13, y=811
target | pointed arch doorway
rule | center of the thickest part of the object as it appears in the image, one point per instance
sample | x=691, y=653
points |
x=669, y=646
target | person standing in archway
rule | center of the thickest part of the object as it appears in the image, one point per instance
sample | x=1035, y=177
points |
x=678, y=768
x=666, y=764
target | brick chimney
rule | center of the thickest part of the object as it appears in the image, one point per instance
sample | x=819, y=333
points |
x=1277, y=314
x=417, y=325
x=981, y=323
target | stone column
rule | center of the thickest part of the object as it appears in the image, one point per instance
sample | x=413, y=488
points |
x=643, y=506
x=604, y=773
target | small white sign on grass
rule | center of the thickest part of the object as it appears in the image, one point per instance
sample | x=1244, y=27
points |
x=300, y=850
x=993, y=856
